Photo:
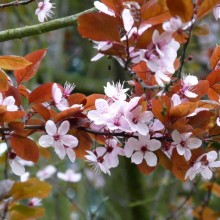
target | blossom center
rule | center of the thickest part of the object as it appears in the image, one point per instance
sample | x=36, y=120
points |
x=143, y=149
x=100, y=160
x=56, y=137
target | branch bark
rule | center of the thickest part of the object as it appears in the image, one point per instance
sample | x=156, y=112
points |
x=15, y=3
x=37, y=29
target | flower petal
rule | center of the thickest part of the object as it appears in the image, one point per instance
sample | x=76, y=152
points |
x=150, y=158
x=46, y=141
x=51, y=128
x=64, y=128
x=137, y=157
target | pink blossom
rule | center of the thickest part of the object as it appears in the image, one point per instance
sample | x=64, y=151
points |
x=184, y=143
x=99, y=115
x=8, y=102
x=59, y=139
x=116, y=91
x=14, y=161
x=60, y=96
x=112, y=152
x=142, y=149
x=160, y=56
x=69, y=176
x=137, y=118
x=44, y=10
x=174, y=24
x=97, y=160
x=103, y=8
x=188, y=84
x=204, y=165
x=34, y=202
x=115, y=119
x=101, y=46
x=46, y=173
x=216, y=12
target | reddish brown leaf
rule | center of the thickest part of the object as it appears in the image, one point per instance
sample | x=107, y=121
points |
x=99, y=27
x=85, y=143
x=182, y=8
x=163, y=160
x=160, y=108
x=23, y=91
x=25, y=74
x=179, y=165
x=200, y=89
x=214, y=77
x=205, y=6
x=3, y=81
x=90, y=101
x=77, y=98
x=11, y=116
x=183, y=109
x=13, y=62
x=215, y=58
x=16, y=125
x=42, y=111
x=41, y=94
x=213, y=92
x=71, y=112
x=25, y=148
x=145, y=169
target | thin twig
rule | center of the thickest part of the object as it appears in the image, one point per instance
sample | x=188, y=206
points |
x=15, y=3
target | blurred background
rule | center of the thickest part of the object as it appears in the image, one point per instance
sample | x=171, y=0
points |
x=126, y=194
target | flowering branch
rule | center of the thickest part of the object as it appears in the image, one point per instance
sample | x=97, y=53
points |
x=37, y=29
x=15, y=3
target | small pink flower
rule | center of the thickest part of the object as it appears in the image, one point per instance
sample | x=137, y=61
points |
x=188, y=84
x=204, y=165
x=97, y=160
x=116, y=91
x=14, y=161
x=60, y=96
x=137, y=118
x=69, y=176
x=46, y=173
x=103, y=8
x=184, y=144
x=174, y=24
x=34, y=202
x=142, y=149
x=8, y=102
x=44, y=10
x=216, y=12
x=59, y=139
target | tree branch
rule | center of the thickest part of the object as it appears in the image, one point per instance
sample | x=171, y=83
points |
x=37, y=29
x=15, y=3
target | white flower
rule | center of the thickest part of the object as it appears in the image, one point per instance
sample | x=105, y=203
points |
x=216, y=12
x=69, y=176
x=46, y=173
x=44, y=10
x=24, y=177
x=204, y=165
x=8, y=102
x=142, y=149
x=116, y=91
x=174, y=24
x=188, y=84
x=60, y=96
x=59, y=139
x=16, y=166
x=136, y=117
x=97, y=160
x=103, y=8
x=34, y=202
x=184, y=144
